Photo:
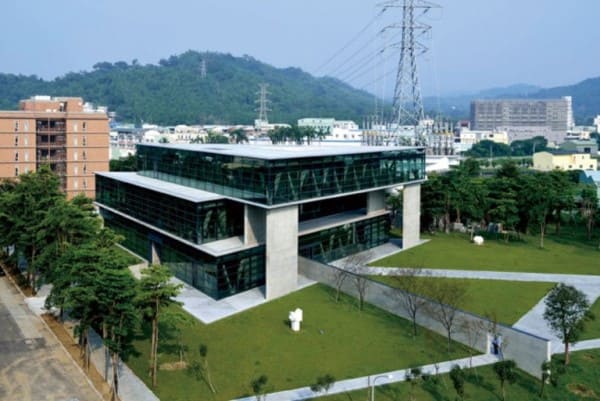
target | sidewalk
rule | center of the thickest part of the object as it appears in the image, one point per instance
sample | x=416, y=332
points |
x=395, y=376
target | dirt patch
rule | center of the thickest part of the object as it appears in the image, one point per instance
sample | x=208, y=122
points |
x=179, y=365
x=589, y=357
x=64, y=336
x=17, y=278
x=582, y=390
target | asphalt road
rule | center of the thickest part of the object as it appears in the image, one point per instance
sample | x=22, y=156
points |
x=33, y=365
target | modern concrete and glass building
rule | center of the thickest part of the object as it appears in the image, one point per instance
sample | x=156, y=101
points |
x=228, y=218
x=65, y=133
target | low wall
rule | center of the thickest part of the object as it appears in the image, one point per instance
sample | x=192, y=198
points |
x=527, y=350
x=131, y=388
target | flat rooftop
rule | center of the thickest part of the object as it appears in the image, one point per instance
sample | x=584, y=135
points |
x=277, y=152
x=168, y=188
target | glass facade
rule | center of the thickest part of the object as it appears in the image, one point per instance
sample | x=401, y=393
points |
x=327, y=207
x=341, y=241
x=195, y=222
x=273, y=182
x=217, y=277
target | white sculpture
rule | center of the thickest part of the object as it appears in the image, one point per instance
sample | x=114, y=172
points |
x=295, y=318
x=478, y=240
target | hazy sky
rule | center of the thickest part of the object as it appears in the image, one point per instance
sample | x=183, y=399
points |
x=474, y=44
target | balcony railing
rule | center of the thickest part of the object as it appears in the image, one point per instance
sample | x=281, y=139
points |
x=55, y=130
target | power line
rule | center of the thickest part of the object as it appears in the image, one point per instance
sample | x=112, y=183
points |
x=351, y=41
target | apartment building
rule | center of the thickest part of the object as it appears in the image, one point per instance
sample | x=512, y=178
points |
x=69, y=135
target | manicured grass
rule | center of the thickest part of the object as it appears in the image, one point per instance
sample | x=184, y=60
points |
x=592, y=329
x=128, y=258
x=336, y=339
x=455, y=251
x=505, y=301
x=581, y=382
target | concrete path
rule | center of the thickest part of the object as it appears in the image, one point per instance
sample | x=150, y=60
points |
x=533, y=321
x=394, y=376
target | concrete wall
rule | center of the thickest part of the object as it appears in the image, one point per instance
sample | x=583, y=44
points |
x=527, y=350
x=375, y=201
x=411, y=215
x=281, y=262
x=254, y=225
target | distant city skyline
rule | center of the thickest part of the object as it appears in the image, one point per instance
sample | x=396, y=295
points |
x=473, y=44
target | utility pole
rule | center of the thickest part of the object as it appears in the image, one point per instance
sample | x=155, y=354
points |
x=408, y=104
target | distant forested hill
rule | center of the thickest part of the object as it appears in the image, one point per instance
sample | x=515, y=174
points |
x=586, y=99
x=174, y=91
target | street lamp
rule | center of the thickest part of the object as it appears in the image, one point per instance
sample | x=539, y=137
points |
x=373, y=384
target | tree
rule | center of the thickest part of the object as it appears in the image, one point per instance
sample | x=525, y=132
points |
x=239, y=136
x=339, y=277
x=155, y=293
x=505, y=370
x=128, y=163
x=551, y=371
x=457, y=376
x=412, y=376
x=323, y=383
x=203, y=350
x=258, y=387
x=588, y=207
x=412, y=281
x=353, y=265
x=27, y=206
x=540, y=198
x=120, y=317
x=567, y=310
x=449, y=295
x=67, y=223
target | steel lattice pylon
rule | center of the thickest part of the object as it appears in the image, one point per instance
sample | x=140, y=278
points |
x=408, y=104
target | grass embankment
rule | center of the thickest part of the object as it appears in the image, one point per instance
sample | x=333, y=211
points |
x=336, y=339
x=561, y=254
x=592, y=329
x=581, y=382
x=503, y=301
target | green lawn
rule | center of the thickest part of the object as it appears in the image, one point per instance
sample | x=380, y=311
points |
x=128, y=258
x=581, y=382
x=505, y=301
x=592, y=329
x=336, y=338
x=455, y=251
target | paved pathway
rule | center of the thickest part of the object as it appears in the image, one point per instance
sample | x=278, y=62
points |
x=33, y=364
x=533, y=321
x=395, y=376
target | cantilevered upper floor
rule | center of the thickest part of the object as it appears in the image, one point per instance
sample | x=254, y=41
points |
x=270, y=176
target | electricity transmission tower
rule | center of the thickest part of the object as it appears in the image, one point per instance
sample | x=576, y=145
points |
x=262, y=103
x=408, y=104
x=203, y=69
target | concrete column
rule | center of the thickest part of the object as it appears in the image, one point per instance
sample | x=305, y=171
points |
x=154, y=253
x=411, y=215
x=281, y=251
x=254, y=225
x=375, y=201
